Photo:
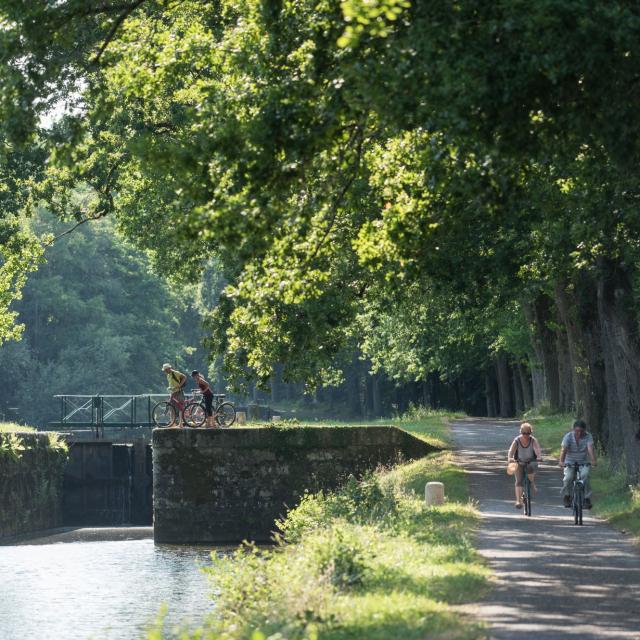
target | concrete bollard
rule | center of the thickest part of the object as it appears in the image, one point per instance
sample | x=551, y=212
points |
x=275, y=418
x=241, y=417
x=433, y=493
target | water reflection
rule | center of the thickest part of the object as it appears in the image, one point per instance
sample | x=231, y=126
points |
x=102, y=590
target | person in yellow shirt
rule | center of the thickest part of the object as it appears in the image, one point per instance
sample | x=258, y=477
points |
x=177, y=380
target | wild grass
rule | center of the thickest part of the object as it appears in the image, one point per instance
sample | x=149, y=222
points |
x=613, y=497
x=13, y=445
x=428, y=424
x=369, y=560
x=12, y=427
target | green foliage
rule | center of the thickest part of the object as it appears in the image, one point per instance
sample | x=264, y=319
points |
x=20, y=254
x=375, y=177
x=11, y=447
x=98, y=321
x=375, y=18
x=10, y=427
x=368, y=560
x=615, y=499
x=429, y=424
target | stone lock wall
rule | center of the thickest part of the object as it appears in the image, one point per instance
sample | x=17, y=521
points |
x=216, y=486
x=31, y=476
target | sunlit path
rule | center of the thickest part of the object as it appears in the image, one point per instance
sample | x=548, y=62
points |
x=554, y=580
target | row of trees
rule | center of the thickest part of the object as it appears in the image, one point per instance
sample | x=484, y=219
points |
x=98, y=320
x=430, y=183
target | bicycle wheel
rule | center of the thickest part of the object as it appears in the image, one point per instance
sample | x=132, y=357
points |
x=164, y=414
x=194, y=414
x=577, y=504
x=580, y=502
x=225, y=415
x=527, y=497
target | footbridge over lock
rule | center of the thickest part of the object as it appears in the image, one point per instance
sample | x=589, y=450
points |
x=124, y=417
x=228, y=485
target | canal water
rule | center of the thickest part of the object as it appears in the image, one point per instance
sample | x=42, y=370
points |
x=103, y=590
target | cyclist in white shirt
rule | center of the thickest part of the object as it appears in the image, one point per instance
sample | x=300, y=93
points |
x=577, y=446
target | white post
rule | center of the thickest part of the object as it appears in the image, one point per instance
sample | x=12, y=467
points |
x=434, y=493
x=241, y=417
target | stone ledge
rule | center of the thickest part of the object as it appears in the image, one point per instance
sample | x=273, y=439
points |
x=214, y=486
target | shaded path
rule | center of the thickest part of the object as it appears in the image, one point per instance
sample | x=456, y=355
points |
x=554, y=580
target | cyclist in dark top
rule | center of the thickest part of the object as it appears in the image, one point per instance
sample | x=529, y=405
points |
x=207, y=395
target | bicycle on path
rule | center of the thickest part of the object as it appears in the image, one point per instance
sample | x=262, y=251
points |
x=224, y=413
x=578, y=491
x=526, y=489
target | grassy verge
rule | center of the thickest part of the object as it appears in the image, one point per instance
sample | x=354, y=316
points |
x=366, y=561
x=11, y=427
x=614, y=499
x=428, y=424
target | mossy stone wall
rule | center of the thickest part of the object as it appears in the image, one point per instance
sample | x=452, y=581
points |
x=31, y=474
x=217, y=486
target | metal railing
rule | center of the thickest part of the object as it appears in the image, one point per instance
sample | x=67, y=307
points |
x=108, y=410
x=100, y=412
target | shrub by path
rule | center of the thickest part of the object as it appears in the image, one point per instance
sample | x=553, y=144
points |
x=554, y=580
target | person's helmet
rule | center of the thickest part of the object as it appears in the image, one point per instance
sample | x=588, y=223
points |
x=195, y=372
x=166, y=366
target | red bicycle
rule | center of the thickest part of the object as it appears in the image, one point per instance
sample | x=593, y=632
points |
x=166, y=412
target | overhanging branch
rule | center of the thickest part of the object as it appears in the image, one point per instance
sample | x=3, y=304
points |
x=114, y=29
x=96, y=216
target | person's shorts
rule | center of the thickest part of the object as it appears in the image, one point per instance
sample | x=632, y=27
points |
x=178, y=396
x=519, y=474
x=208, y=403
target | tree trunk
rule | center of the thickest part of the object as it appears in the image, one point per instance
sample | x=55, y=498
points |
x=276, y=383
x=355, y=402
x=525, y=383
x=518, y=398
x=539, y=314
x=538, y=383
x=375, y=395
x=621, y=350
x=504, y=385
x=565, y=375
x=435, y=400
x=578, y=308
x=490, y=395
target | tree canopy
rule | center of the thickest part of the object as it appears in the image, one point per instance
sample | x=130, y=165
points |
x=426, y=181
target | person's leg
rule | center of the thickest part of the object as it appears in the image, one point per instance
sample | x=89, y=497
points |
x=176, y=405
x=208, y=407
x=519, y=476
x=181, y=403
x=532, y=468
x=567, y=481
x=584, y=476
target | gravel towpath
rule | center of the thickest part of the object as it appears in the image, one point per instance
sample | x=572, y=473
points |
x=554, y=580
